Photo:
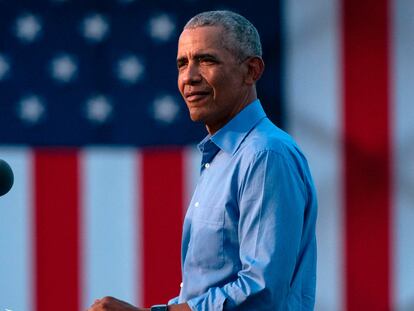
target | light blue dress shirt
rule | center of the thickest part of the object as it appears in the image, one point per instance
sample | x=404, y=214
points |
x=249, y=232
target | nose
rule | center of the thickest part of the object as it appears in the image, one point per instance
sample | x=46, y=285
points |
x=191, y=74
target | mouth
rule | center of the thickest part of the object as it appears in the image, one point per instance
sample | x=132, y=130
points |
x=194, y=96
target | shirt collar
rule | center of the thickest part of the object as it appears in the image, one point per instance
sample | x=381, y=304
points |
x=230, y=136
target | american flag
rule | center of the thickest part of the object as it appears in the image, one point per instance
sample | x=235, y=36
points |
x=103, y=149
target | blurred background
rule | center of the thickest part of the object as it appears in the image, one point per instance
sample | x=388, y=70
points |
x=104, y=157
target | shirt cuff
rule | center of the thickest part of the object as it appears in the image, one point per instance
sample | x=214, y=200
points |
x=173, y=301
x=212, y=300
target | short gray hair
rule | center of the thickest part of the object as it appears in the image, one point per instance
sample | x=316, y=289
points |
x=245, y=38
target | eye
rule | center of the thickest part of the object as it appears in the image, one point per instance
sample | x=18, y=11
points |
x=207, y=60
x=181, y=63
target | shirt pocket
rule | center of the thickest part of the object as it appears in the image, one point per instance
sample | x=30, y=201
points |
x=207, y=238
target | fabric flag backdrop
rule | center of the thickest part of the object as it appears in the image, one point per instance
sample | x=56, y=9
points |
x=103, y=150
x=349, y=95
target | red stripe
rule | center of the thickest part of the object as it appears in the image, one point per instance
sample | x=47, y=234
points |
x=56, y=227
x=163, y=191
x=367, y=153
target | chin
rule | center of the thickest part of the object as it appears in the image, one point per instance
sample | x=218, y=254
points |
x=196, y=118
x=195, y=115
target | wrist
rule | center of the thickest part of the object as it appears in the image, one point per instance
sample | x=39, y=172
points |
x=159, y=308
x=174, y=307
x=179, y=307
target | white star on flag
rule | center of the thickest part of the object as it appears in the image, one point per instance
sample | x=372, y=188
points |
x=63, y=68
x=165, y=109
x=98, y=109
x=161, y=28
x=95, y=27
x=4, y=67
x=31, y=109
x=28, y=28
x=130, y=69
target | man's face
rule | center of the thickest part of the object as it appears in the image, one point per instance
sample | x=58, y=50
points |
x=210, y=77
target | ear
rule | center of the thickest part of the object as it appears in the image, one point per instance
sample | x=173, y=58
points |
x=255, y=68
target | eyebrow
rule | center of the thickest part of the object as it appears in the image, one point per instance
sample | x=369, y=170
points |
x=182, y=59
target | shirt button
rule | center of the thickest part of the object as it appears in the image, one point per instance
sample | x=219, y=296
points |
x=207, y=165
x=196, y=204
x=181, y=284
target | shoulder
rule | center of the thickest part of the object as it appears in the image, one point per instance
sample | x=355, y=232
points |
x=270, y=153
x=267, y=138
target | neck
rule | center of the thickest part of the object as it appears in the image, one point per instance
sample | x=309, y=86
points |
x=246, y=100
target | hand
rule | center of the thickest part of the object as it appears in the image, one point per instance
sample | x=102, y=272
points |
x=113, y=304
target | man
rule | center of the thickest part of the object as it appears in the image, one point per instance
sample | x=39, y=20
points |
x=249, y=233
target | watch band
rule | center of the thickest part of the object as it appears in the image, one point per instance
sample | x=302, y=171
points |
x=159, y=308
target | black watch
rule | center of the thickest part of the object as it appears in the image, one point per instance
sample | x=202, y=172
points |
x=159, y=308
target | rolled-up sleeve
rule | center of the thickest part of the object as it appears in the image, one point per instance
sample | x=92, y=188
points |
x=271, y=202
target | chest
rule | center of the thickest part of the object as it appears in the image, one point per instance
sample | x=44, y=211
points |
x=217, y=191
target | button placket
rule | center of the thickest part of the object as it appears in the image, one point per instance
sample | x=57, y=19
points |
x=209, y=152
